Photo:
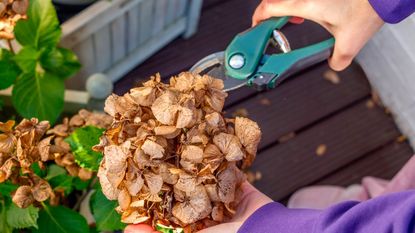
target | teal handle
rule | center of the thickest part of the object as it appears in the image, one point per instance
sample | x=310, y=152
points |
x=286, y=64
x=251, y=44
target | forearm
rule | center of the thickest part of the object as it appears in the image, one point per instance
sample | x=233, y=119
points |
x=393, y=11
x=390, y=213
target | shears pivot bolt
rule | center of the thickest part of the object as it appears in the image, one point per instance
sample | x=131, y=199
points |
x=237, y=61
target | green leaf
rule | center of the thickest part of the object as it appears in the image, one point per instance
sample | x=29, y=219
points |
x=42, y=27
x=8, y=69
x=79, y=184
x=55, y=170
x=62, y=62
x=4, y=227
x=107, y=219
x=62, y=182
x=27, y=59
x=6, y=188
x=59, y=219
x=168, y=229
x=22, y=218
x=39, y=96
x=81, y=141
x=37, y=170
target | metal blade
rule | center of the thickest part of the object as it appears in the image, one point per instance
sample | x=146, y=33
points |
x=213, y=65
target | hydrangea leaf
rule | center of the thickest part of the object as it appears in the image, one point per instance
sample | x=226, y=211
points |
x=22, y=218
x=107, y=219
x=27, y=59
x=81, y=141
x=62, y=62
x=38, y=95
x=4, y=226
x=62, y=182
x=9, y=69
x=42, y=29
x=59, y=219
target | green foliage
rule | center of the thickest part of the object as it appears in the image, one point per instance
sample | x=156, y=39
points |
x=22, y=218
x=39, y=69
x=39, y=96
x=59, y=178
x=166, y=229
x=81, y=141
x=59, y=219
x=4, y=226
x=6, y=188
x=9, y=70
x=107, y=219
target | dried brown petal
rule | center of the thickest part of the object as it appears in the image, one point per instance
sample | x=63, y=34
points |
x=124, y=199
x=143, y=96
x=108, y=189
x=154, y=182
x=85, y=174
x=7, y=127
x=134, y=218
x=217, y=213
x=41, y=190
x=192, y=154
x=195, y=208
x=23, y=197
x=167, y=175
x=167, y=131
x=230, y=146
x=134, y=186
x=153, y=149
x=44, y=147
x=7, y=143
x=249, y=134
x=186, y=182
x=212, y=191
x=165, y=109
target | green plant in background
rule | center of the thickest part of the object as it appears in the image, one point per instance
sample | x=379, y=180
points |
x=38, y=70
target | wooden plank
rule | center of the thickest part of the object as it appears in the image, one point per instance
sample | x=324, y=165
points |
x=158, y=16
x=118, y=39
x=102, y=42
x=383, y=163
x=85, y=52
x=93, y=18
x=347, y=136
x=145, y=50
x=302, y=100
x=146, y=20
x=133, y=27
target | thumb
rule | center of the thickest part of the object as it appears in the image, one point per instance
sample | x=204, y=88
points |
x=343, y=53
x=278, y=8
x=139, y=228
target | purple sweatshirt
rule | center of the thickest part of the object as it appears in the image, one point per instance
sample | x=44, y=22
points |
x=393, y=11
x=394, y=213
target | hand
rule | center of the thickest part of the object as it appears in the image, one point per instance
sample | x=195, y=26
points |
x=351, y=22
x=252, y=199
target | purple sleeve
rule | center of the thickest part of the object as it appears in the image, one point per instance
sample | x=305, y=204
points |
x=393, y=11
x=389, y=213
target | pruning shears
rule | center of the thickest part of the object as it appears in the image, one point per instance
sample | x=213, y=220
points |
x=244, y=61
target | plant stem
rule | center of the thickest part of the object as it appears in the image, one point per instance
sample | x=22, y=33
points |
x=9, y=42
x=84, y=194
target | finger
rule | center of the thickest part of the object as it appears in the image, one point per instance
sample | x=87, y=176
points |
x=139, y=228
x=296, y=20
x=343, y=53
x=279, y=8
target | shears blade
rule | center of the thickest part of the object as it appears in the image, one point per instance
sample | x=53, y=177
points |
x=213, y=65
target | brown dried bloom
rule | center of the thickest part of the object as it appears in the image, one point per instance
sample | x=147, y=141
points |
x=171, y=157
x=11, y=11
x=31, y=141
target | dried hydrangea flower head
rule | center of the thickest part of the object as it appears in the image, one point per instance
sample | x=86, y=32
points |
x=171, y=157
x=32, y=141
x=11, y=11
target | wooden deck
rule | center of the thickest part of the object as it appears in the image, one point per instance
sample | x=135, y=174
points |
x=304, y=113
